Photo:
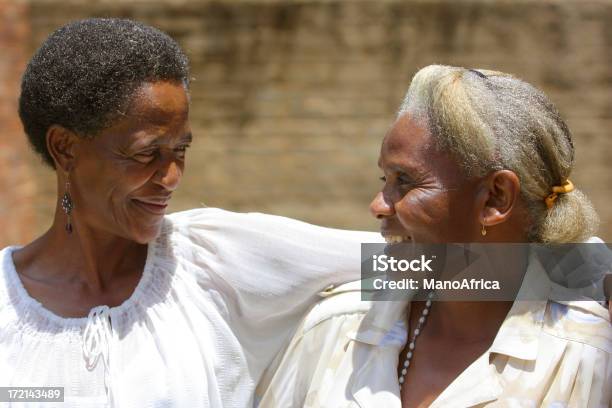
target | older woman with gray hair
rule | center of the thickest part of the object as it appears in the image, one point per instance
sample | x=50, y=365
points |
x=474, y=156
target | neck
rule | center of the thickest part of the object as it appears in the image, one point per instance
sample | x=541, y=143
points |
x=471, y=320
x=467, y=321
x=88, y=255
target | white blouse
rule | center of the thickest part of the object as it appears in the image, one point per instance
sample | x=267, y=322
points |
x=220, y=294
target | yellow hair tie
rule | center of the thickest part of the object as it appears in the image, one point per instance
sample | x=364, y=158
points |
x=556, y=190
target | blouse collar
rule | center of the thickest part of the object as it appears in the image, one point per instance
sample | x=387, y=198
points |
x=518, y=337
x=515, y=330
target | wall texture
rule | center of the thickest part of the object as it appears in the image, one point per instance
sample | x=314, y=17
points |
x=18, y=189
x=290, y=99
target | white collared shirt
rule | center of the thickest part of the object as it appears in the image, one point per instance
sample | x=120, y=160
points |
x=546, y=354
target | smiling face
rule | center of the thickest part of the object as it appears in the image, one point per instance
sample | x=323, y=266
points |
x=425, y=198
x=123, y=178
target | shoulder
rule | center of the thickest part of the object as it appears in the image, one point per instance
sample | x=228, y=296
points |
x=8, y=287
x=571, y=357
x=4, y=260
x=584, y=322
x=7, y=271
x=299, y=371
x=336, y=302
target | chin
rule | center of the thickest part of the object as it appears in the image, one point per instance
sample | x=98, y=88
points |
x=145, y=234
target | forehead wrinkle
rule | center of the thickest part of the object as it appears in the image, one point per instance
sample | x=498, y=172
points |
x=395, y=156
x=156, y=115
x=410, y=148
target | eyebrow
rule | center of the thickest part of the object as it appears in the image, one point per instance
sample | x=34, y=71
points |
x=395, y=166
x=412, y=172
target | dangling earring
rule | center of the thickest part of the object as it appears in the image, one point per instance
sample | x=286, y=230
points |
x=483, y=230
x=67, y=206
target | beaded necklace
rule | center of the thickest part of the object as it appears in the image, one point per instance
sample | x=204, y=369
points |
x=415, y=334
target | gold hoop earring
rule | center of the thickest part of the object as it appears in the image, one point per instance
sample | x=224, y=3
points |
x=483, y=230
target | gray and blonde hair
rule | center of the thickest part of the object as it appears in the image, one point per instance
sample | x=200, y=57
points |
x=491, y=121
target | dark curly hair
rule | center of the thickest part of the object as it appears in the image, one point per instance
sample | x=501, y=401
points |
x=86, y=72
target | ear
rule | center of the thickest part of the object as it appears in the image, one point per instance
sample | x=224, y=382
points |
x=498, y=196
x=61, y=145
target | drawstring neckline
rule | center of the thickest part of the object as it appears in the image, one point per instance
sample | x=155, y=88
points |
x=96, y=336
x=96, y=343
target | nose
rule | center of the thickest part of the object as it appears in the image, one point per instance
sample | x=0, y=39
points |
x=381, y=207
x=169, y=173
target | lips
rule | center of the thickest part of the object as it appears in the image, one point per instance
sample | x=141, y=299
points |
x=153, y=206
x=393, y=232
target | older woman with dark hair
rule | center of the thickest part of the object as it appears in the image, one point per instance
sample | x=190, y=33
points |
x=116, y=302
x=474, y=156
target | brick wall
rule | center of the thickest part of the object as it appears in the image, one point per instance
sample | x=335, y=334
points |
x=291, y=98
x=17, y=184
